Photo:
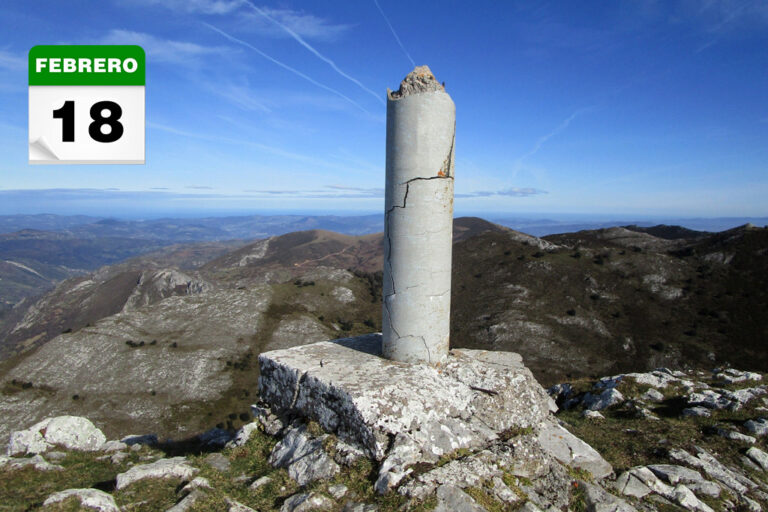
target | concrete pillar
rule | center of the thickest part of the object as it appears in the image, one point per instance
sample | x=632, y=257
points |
x=418, y=224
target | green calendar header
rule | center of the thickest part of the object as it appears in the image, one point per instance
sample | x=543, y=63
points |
x=87, y=65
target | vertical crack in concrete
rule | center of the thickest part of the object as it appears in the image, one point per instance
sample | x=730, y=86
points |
x=389, y=317
x=429, y=354
x=296, y=389
x=445, y=170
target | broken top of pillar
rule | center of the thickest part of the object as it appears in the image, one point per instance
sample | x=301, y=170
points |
x=419, y=80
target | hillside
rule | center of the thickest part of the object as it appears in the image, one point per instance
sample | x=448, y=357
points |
x=170, y=348
x=614, y=300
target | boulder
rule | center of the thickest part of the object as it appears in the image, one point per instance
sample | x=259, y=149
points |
x=759, y=427
x=599, y=500
x=175, y=467
x=71, y=432
x=759, y=456
x=243, y=434
x=303, y=456
x=306, y=501
x=453, y=499
x=607, y=398
x=572, y=451
x=89, y=498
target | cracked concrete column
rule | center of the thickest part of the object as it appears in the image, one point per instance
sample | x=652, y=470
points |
x=418, y=223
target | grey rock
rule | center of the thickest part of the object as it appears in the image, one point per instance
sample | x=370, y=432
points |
x=652, y=395
x=599, y=500
x=56, y=456
x=502, y=491
x=197, y=483
x=89, y=498
x=271, y=423
x=175, y=467
x=112, y=446
x=674, y=474
x=303, y=456
x=187, y=501
x=593, y=415
x=216, y=438
x=725, y=399
x=243, y=434
x=235, y=506
x=572, y=451
x=750, y=504
x=735, y=436
x=338, y=491
x=453, y=499
x=218, y=461
x=696, y=411
x=529, y=506
x=759, y=427
x=71, y=432
x=713, y=468
x=140, y=439
x=680, y=494
x=37, y=461
x=366, y=400
x=629, y=484
x=607, y=398
x=352, y=506
x=259, y=482
x=118, y=457
x=759, y=456
x=306, y=501
x=705, y=488
x=684, y=497
x=749, y=463
x=560, y=392
x=404, y=452
x=468, y=471
x=346, y=453
x=731, y=375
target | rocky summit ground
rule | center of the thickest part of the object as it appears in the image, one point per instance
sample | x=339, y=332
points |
x=693, y=440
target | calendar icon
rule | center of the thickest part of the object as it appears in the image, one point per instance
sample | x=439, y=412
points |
x=86, y=104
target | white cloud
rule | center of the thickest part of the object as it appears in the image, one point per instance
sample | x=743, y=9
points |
x=163, y=50
x=314, y=51
x=11, y=61
x=194, y=6
x=305, y=25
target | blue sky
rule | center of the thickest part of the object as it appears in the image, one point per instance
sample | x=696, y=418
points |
x=641, y=108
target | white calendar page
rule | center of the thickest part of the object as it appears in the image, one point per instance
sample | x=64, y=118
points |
x=86, y=104
x=46, y=133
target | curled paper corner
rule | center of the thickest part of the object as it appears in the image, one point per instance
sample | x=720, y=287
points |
x=40, y=150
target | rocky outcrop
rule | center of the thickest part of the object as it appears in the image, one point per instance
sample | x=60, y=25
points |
x=72, y=432
x=93, y=499
x=175, y=467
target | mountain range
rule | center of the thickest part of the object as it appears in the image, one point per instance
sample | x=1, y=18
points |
x=166, y=341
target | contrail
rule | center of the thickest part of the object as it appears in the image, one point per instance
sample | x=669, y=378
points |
x=285, y=66
x=394, y=33
x=319, y=55
x=562, y=126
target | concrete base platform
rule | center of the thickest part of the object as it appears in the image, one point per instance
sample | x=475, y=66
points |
x=380, y=405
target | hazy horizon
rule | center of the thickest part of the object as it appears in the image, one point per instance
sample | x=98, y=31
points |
x=637, y=108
